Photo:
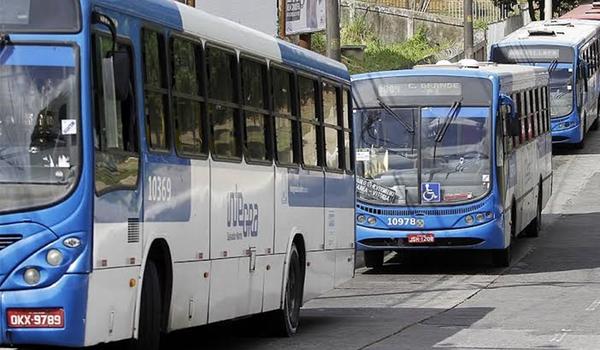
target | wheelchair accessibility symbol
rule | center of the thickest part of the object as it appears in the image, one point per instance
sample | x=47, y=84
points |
x=431, y=192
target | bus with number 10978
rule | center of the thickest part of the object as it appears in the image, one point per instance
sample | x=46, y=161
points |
x=451, y=157
x=163, y=168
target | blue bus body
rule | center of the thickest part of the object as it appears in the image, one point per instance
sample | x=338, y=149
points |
x=580, y=37
x=68, y=224
x=515, y=175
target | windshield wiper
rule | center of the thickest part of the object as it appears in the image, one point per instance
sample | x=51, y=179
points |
x=553, y=65
x=452, y=114
x=387, y=108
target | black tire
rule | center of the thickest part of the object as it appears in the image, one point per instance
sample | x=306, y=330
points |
x=374, y=259
x=285, y=322
x=581, y=145
x=502, y=257
x=595, y=125
x=150, y=311
x=535, y=227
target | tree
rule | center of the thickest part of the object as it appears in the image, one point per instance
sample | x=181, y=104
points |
x=558, y=6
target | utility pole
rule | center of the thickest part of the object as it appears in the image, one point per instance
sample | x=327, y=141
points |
x=548, y=10
x=468, y=14
x=282, y=13
x=333, y=30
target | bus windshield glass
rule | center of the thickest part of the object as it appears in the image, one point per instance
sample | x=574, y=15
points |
x=561, y=92
x=39, y=125
x=402, y=155
x=39, y=16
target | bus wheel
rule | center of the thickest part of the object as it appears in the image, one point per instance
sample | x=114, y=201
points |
x=581, y=144
x=535, y=227
x=150, y=311
x=595, y=124
x=374, y=259
x=285, y=321
x=502, y=257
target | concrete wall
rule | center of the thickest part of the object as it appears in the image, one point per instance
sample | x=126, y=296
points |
x=498, y=31
x=394, y=25
x=257, y=14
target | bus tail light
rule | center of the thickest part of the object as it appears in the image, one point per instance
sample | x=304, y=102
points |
x=469, y=219
x=32, y=276
x=361, y=219
x=372, y=220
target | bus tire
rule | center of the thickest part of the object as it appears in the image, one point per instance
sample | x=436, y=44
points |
x=150, y=311
x=374, y=259
x=284, y=322
x=595, y=124
x=502, y=257
x=535, y=227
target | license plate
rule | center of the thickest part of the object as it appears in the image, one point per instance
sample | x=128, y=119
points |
x=35, y=318
x=425, y=238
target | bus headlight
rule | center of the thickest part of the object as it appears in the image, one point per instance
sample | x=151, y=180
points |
x=31, y=276
x=563, y=126
x=54, y=257
x=361, y=219
x=469, y=219
x=372, y=220
x=480, y=217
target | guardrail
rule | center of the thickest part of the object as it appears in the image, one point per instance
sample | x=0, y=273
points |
x=483, y=10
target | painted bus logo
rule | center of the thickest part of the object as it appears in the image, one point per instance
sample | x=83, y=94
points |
x=242, y=217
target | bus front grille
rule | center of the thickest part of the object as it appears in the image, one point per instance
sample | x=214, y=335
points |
x=9, y=240
x=421, y=212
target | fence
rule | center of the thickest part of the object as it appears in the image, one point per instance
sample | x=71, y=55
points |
x=483, y=10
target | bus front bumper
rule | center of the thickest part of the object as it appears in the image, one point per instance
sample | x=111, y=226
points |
x=482, y=237
x=567, y=130
x=68, y=293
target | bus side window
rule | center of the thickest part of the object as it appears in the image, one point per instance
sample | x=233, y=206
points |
x=257, y=120
x=187, y=99
x=223, y=110
x=285, y=121
x=309, y=121
x=115, y=125
x=333, y=126
x=347, y=124
x=156, y=91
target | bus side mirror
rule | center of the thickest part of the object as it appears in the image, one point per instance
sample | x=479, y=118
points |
x=121, y=69
x=508, y=108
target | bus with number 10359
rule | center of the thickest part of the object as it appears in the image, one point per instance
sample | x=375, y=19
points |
x=451, y=157
x=163, y=168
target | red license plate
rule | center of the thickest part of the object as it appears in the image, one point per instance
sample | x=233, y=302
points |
x=35, y=318
x=425, y=238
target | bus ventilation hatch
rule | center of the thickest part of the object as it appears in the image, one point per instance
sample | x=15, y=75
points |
x=421, y=212
x=8, y=240
x=133, y=230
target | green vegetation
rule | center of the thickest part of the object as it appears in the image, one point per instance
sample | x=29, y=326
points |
x=380, y=56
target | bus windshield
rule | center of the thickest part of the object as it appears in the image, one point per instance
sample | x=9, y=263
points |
x=392, y=157
x=39, y=125
x=561, y=92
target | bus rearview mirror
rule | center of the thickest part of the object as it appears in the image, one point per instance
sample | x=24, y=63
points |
x=121, y=69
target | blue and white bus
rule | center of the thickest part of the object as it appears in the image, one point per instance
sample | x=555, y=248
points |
x=163, y=168
x=569, y=49
x=451, y=157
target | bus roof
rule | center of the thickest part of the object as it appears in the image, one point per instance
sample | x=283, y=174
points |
x=186, y=19
x=586, y=11
x=571, y=32
x=511, y=77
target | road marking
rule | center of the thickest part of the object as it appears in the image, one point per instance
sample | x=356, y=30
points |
x=593, y=306
x=558, y=337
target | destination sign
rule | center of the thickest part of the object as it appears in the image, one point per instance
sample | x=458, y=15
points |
x=421, y=89
x=532, y=53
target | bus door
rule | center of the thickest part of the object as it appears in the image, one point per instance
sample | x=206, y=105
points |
x=118, y=195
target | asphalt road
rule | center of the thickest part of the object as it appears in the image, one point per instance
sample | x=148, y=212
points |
x=548, y=299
